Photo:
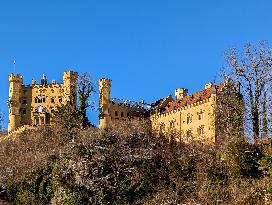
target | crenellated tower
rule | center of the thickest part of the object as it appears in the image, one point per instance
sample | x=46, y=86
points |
x=70, y=85
x=104, y=102
x=14, y=101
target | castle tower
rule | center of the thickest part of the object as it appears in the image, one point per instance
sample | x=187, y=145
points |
x=14, y=102
x=104, y=102
x=70, y=85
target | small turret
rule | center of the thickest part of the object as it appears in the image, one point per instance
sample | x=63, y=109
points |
x=208, y=85
x=104, y=102
x=14, y=101
x=43, y=80
x=181, y=93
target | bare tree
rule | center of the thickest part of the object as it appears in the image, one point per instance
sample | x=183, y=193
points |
x=250, y=70
x=85, y=89
x=229, y=112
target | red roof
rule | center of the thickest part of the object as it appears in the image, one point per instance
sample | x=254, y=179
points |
x=193, y=98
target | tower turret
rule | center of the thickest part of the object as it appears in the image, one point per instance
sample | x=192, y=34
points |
x=43, y=80
x=104, y=102
x=14, y=101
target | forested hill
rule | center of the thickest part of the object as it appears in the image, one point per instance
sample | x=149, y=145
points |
x=128, y=165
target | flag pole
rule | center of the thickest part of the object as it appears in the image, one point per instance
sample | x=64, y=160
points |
x=14, y=66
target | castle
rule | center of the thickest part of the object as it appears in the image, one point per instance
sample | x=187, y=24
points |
x=33, y=104
x=192, y=117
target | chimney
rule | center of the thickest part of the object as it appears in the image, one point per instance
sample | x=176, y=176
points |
x=208, y=85
x=181, y=93
x=33, y=82
x=53, y=82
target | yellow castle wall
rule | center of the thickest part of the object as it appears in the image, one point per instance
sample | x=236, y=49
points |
x=176, y=121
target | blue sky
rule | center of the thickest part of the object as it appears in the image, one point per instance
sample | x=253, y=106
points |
x=147, y=47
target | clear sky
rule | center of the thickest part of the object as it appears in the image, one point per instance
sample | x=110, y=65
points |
x=147, y=47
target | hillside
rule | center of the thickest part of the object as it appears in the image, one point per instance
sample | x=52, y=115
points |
x=127, y=165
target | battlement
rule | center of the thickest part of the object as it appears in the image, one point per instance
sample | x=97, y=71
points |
x=186, y=107
x=69, y=74
x=15, y=78
x=105, y=82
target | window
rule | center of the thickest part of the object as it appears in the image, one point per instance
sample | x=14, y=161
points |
x=40, y=99
x=189, y=134
x=24, y=102
x=24, y=111
x=172, y=124
x=122, y=114
x=116, y=113
x=162, y=127
x=52, y=100
x=37, y=121
x=201, y=115
x=24, y=92
x=60, y=100
x=200, y=130
x=40, y=109
x=42, y=120
x=189, y=118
